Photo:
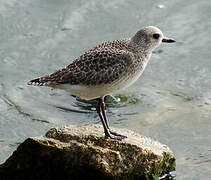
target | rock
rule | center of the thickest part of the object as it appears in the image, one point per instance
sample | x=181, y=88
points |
x=73, y=152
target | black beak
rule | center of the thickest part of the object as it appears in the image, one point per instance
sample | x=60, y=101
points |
x=168, y=40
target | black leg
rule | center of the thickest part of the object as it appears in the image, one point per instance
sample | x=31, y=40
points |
x=104, y=112
x=99, y=110
x=104, y=120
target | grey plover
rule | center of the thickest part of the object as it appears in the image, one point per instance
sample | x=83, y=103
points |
x=105, y=69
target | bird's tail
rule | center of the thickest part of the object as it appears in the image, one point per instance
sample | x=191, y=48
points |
x=47, y=80
x=36, y=82
x=41, y=81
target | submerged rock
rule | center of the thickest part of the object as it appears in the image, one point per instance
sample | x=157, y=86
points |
x=73, y=152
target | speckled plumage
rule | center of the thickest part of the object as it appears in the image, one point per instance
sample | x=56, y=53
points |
x=100, y=65
x=105, y=68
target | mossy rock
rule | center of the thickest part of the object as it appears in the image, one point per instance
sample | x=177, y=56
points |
x=83, y=152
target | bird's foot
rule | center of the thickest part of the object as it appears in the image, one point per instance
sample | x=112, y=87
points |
x=114, y=135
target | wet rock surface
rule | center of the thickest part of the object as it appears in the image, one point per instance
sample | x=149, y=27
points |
x=73, y=152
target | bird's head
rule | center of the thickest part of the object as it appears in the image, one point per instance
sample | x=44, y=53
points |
x=149, y=38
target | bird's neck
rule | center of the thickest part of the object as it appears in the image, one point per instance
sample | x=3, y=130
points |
x=138, y=49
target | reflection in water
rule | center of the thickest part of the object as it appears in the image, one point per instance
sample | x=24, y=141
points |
x=117, y=101
x=89, y=105
x=84, y=106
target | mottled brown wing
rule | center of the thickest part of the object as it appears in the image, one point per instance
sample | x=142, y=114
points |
x=94, y=67
x=97, y=67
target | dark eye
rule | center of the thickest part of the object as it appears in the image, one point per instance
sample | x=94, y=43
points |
x=156, y=36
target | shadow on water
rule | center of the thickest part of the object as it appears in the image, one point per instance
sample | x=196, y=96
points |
x=88, y=106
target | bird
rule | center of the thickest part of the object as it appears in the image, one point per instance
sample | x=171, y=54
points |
x=105, y=69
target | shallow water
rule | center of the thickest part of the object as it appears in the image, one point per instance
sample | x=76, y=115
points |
x=171, y=102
